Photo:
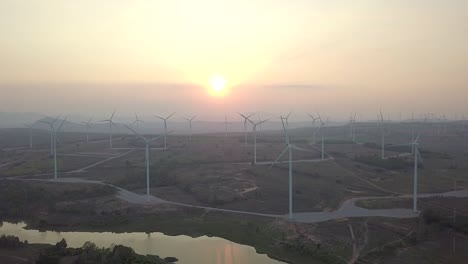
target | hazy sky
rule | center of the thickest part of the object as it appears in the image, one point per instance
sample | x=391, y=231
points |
x=157, y=56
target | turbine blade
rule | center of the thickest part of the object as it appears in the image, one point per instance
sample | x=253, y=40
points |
x=420, y=159
x=134, y=132
x=61, y=125
x=263, y=121
x=112, y=116
x=302, y=149
x=154, y=138
x=279, y=157
x=170, y=115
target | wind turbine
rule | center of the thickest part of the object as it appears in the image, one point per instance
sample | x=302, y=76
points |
x=88, y=126
x=30, y=127
x=111, y=123
x=147, y=158
x=255, y=136
x=165, y=127
x=54, y=141
x=322, y=132
x=137, y=121
x=352, y=123
x=246, y=117
x=382, y=129
x=190, y=125
x=51, y=126
x=226, y=123
x=285, y=124
x=313, y=127
x=417, y=158
x=289, y=148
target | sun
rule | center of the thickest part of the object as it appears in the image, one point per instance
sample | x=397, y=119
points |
x=217, y=85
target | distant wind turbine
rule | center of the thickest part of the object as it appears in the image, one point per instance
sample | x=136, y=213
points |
x=190, y=125
x=51, y=125
x=382, y=130
x=87, y=126
x=226, y=123
x=246, y=117
x=111, y=123
x=147, y=158
x=255, y=136
x=314, y=130
x=54, y=141
x=289, y=148
x=352, y=123
x=137, y=121
x=322, y=132
x=165, y=127
x=30, y=128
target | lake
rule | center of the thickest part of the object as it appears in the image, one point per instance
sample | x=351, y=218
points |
x=207, y=250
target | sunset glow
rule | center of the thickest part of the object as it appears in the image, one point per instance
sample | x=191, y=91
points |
x=217, y=85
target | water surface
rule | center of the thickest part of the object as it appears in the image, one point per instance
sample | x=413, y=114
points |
x=206, y=250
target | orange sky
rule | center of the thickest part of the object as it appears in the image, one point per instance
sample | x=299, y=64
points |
x=334, y=56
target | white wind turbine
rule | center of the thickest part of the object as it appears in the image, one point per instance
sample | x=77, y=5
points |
x=165, y=127
x=226, y=124
x=255, y=136
x=382, y=130
x=190, y=125
x=51, y=125
x=30, y=128
x=54, y=140
x=147, y=158
x=87, y=126
x=285, y=124
x=352, y=124
x=289, y=148
x=314, y=130
x=246, y=117
x=417, y=160
x=137, y=121
x=322, y=133
x=111, y=123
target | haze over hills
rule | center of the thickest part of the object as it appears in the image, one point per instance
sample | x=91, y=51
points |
x=151, y=125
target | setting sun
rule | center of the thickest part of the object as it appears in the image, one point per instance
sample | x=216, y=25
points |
x=217, y=85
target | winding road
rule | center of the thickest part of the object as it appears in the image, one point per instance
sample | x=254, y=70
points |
x=347, y=209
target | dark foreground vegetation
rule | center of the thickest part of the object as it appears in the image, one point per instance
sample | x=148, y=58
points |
x=88, y=254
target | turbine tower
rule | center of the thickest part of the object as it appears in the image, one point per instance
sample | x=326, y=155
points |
x=30, y=128
x=352, y=123
x=137, y=121
x=417, y=159
x=314, y=130
x=190, y=125
x=88, y=126
x=255, y=136
x=54, y=141
x=246, y=117
x=382, y=129
x=111, y=123
x=165, y=127
x=226, y=123
x=289, y=148
x=147, y=158
x=51, y=125
x=322, y=132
